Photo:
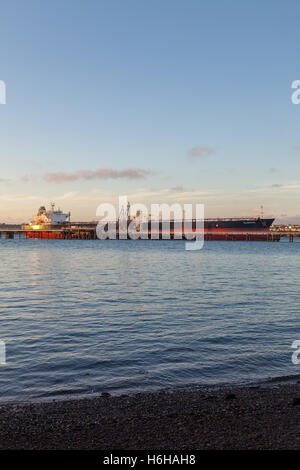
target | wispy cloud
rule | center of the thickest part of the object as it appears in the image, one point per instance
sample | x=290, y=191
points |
x=100, y=173
x=200, y=152
x=289, y=187
x=18, y=197
x=280, y=188
x=26, y=178
x=69, y=195
x=177, y=188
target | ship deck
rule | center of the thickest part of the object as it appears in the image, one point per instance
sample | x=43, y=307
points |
x=89, y=233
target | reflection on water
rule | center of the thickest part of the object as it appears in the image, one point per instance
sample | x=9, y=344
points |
x=82, y=317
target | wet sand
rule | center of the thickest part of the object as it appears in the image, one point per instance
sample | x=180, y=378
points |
x=228, y=418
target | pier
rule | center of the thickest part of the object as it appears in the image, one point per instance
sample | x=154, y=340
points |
x=88, y=232
x=81, y=233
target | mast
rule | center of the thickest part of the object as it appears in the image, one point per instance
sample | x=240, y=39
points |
x=261, y=212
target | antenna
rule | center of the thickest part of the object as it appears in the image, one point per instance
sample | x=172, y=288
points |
x=261, y=212
x=128, y=210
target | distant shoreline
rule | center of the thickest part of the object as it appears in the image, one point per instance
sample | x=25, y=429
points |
x=247, y=417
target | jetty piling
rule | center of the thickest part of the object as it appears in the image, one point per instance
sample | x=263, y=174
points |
x=89, y=233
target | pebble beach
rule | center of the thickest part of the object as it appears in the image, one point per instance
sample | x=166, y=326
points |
x=224, y=418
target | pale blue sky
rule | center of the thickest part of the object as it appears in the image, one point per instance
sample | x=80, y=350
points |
x=127, y=84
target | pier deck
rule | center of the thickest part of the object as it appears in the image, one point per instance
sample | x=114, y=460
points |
x=89, y=233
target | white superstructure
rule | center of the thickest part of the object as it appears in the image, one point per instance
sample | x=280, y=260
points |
x=51, y=217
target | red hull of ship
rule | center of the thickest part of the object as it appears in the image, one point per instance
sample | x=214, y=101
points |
x=216, y=234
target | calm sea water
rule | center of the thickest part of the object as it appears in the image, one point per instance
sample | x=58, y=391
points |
x=84, y=317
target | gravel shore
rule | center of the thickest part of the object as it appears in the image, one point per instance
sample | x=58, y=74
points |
x=228, y=418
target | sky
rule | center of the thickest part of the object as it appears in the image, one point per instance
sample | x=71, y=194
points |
x=160, y=100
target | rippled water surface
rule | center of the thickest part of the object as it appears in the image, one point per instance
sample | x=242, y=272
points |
x=83, y=317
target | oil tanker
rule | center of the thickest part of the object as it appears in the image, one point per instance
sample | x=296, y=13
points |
x=53, y=218
x=45, y=223
x=214, y=229
x=247, y=224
